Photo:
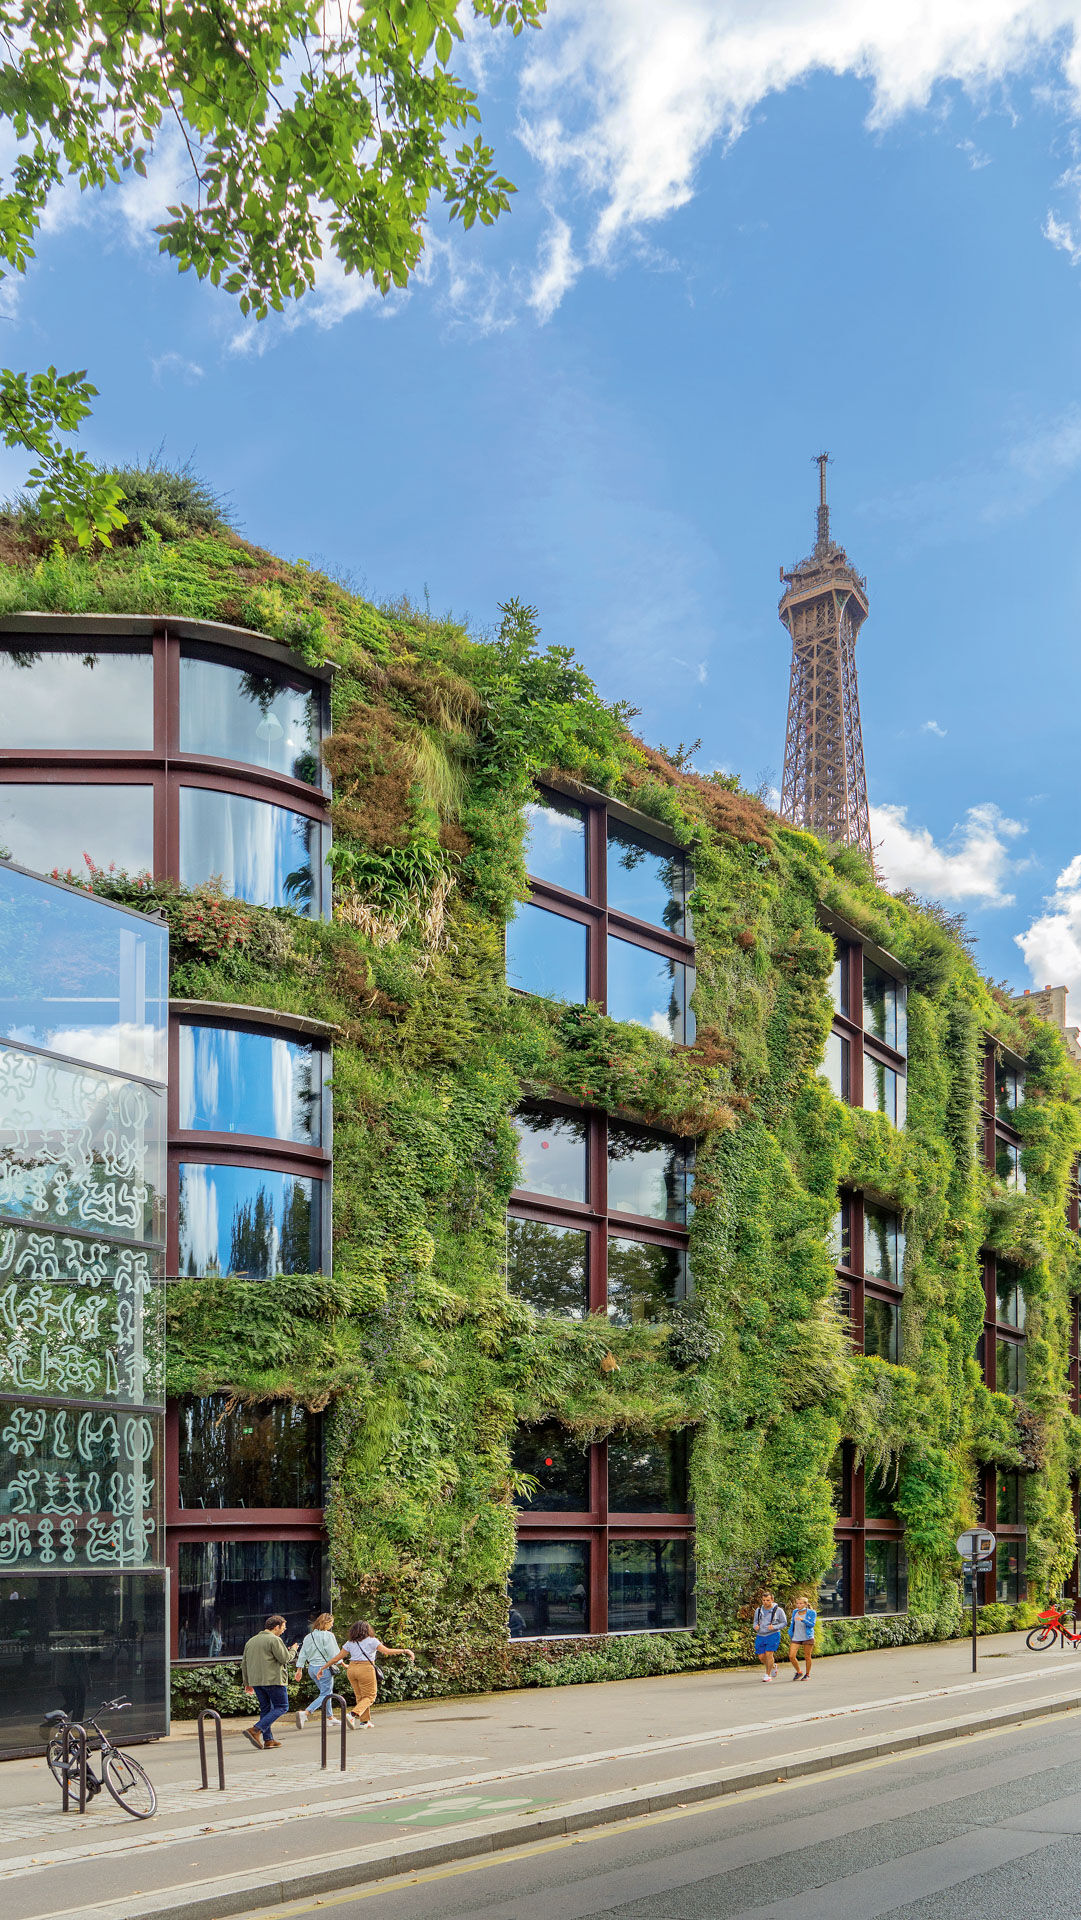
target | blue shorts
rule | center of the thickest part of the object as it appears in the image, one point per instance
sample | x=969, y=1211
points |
x=767, y=1642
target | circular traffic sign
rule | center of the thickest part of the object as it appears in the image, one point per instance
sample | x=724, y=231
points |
x=975, y=1544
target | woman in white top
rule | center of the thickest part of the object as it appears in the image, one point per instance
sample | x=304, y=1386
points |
x=359, y=1651
x=316, y=1651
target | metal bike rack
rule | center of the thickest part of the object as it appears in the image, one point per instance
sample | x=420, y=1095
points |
x=74, y=1732
x=211, y=1713
x=328, y=1707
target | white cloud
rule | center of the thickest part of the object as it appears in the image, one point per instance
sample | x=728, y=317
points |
x=975, y=863
x=622, y=99
x=174, y=366
x=932, y=726
x=557, y=270
x=1052, y=944
x=968, y=501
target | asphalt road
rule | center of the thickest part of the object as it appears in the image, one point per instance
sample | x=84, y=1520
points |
x=987, y=1827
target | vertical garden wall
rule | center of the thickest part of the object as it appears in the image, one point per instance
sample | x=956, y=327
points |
x=422, y=1361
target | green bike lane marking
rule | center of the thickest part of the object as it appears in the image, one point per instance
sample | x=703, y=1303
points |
x=446, y=1811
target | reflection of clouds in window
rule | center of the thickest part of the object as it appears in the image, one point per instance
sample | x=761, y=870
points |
x=200, y=1223
x=281, y=1088
x=59, y=827
x=260, y=852
x=555, y=844
x=54, y=699
x=259, y=718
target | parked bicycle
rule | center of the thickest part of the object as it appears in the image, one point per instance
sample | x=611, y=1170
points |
x=130, y=1787
x=1054, y=1631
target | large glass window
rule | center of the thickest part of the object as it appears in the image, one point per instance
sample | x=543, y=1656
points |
x=841, y=1233
x=269, y=1455
x=884, y=1091
x=94, y=700
x=885, y=1579
x=649, y=990
x=548, y=1267
x=549, y=1588
x=647, y=878
x=883, y=1245
x=227, y=1588
x=835, y=1587
x=233, y=1081
x=552, y=1153
x=644, y=1280
x=63, y=827
x=558, y=1463
x=1008, y=1166
x=1010, y=1295
x=1009, y=1503
x=837, y=1067
x=1011, y=1586
x=260, y=716
x=648, y=1585
x=76, y=1641
x=247, y=1221
x=647, y=1173
x=881, y=1327
x=1009, y=1089
x=1010, y=1366
x=268, y=855
x=546, y=954
x=555, y=843
x=647, y=1473
x=878, y=1495
x=839, y=980
x=884, y=1007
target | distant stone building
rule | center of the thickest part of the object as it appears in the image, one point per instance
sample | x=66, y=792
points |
x=1050, y=1004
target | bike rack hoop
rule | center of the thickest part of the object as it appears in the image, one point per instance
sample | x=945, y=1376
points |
x=74, y=1730
x=328, y=1707
x=211, y=1713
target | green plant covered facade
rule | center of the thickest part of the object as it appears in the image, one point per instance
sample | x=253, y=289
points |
x=422, y=1361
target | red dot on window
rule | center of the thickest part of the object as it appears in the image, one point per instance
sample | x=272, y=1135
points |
x=549, y=1463
x=544, y=1146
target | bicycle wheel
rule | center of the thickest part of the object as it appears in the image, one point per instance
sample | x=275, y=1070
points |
x=1041, y=1637
x=130, y=1787
x=54, y=1755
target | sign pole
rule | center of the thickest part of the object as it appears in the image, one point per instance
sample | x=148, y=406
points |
x=975, y=1580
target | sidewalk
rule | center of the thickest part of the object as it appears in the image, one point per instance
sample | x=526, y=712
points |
x=448, y=1778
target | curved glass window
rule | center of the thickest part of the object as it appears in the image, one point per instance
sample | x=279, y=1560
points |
x=555, y=843
x=257, y=715
x=647, y=878
x=256, y=1083
x=262, y=853
x=65, y=827
x=77, y=699
x=546, y=954
x=650, y=990
x=248, y=1222
x=235, y=1456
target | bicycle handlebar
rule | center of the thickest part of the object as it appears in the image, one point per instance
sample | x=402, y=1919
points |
x=113, y=1706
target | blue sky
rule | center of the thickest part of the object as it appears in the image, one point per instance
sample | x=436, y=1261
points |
x=744, y=232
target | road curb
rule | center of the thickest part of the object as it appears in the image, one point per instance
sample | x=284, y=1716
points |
x=233, y=1894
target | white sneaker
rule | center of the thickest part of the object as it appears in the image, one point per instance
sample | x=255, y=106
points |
x=352, y=1720
x=301, y=1719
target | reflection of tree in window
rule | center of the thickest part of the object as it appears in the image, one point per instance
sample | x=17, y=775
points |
x=644, y=1281
x=265, y=690
x=883, y=1244
x=232, y=1455
x=661, y=875
x=646, y=1173
x=880, y=1487
x=647, y=1473
x=881, y=1323
x=1010, y=1294
x=558, y=1463
x=546, y=1266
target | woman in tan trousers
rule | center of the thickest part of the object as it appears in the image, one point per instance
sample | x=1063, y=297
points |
x=359, y=1651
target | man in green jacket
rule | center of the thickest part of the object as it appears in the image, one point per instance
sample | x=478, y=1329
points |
x=266, y=1658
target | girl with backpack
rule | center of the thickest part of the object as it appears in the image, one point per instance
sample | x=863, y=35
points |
x=359, y=1651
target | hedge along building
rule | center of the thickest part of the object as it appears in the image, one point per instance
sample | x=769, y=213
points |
x=787, y=1287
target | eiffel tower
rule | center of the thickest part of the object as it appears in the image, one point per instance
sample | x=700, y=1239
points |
x=823, y=606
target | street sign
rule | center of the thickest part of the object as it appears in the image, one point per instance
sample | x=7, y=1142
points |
x=983, y=1566
x=975, y=1544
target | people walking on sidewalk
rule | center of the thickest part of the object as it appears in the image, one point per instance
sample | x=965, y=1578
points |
x=801, y=1636
x=318, y=1648
x=769, y=1623
x=264, y=1665
x=359, y=1652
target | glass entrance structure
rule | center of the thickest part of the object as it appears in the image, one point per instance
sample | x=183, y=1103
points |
x=83, y=1013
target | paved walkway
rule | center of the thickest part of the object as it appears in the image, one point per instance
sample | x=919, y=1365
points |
x=433, y=1775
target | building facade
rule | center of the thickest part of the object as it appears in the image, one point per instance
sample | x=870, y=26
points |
x=602, y=1201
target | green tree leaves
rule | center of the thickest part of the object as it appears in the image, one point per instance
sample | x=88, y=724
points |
x=310, y=132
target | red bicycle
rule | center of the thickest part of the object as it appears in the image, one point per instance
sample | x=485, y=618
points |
x=1041, y=1639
